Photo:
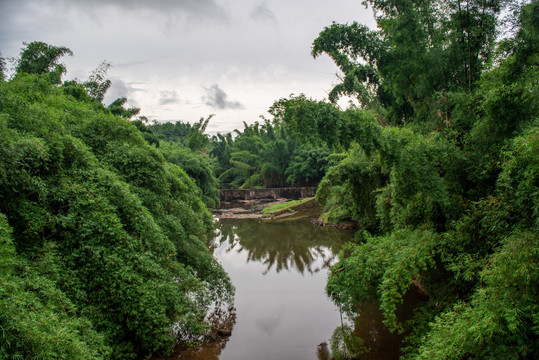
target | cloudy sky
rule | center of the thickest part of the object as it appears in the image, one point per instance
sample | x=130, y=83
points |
x=186, y=59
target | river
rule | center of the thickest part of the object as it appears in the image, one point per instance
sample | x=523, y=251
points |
x=282, y=312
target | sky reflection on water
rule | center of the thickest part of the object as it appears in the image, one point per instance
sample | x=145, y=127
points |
x=282, y=312
x=280, y=271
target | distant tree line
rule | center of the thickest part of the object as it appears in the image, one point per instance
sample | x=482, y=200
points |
x=262, y=155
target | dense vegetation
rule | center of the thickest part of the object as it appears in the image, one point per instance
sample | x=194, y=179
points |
x=101, y=220
x=441, y=172
x=186, y=145
x=262, y=155
x=102, y=241
x=265, y=155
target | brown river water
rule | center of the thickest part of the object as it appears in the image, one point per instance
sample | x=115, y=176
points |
x=282, y=312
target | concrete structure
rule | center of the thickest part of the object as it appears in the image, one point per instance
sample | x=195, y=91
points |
x=270, y=193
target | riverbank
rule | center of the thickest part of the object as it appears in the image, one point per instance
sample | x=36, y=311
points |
x=245, y=209
x=279, y=209
x=268, y=210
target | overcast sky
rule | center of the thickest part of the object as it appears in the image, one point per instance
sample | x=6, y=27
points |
x=186, y=59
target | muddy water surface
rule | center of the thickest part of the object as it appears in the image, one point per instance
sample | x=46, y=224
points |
x=279, y=271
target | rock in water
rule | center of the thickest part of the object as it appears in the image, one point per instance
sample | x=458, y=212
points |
x=224, y=332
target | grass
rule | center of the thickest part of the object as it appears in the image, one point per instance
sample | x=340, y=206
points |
x=289, y=206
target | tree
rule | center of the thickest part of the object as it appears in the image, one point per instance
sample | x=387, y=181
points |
x=258, y=156
x=40, y=58
x=98, y=84
x=308, y=165
x=117, y=108
x=197, y=166
x=397, y=69
x=196, y=139
x=446, y=200
x=2, y=67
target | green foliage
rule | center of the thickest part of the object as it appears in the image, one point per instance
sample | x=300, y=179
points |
x=500, y=321
x=186, y=145
x=175, y=132
x=322, y=124
x=449, y=197
x=313, y=121
x=408, y=180
x=36, y=317
x=197, y=166
x=420, y=48
x=347, y=192
x=265, y=155
x=280, y=208
x=291, y=150
x=308, y=165
x=146, y=131
x=196, y=139
x=243, y=168
x=40, y=58
x=107, y=256
x=518, y=181
x=117, y=108
x=190, y=136
x=381, y=268
x=345, y=344
x=423, y=183
x=98, y=84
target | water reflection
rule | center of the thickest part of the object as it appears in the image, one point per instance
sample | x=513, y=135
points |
x=213, y=343
x=291, y=245
x=282, y=312
x=383, y=344
x=279, y=271
x=369, y=326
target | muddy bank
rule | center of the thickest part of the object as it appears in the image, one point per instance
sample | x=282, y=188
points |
x=245, y=209
x=340, y=226
x=252, y=209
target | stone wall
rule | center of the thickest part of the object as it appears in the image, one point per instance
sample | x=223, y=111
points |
x=270, y=193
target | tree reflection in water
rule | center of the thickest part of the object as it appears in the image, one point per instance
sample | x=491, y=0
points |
x=289, y=245
x=300, y=252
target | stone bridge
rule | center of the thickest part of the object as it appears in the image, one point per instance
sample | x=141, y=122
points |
x=269, y=193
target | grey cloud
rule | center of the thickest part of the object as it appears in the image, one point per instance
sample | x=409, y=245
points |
x=262, y=13
x=217, y=98
x=120, y=89
x=18, y=22
x=192, y=8
x=203, y=8
x=168, y=97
